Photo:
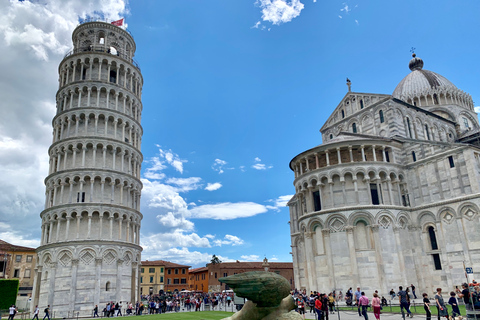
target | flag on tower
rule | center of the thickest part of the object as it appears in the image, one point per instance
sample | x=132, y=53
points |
x=118, y=23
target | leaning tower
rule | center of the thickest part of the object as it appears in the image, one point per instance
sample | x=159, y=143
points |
x=90, y=252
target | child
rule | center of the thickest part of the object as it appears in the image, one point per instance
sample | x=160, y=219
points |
x=453, y=302
x=426, y=306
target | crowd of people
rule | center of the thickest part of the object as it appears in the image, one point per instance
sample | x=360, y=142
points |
x=168, y=302
x=323, y=304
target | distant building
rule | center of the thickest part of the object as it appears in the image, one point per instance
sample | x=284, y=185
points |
x=198, y=279
x=152, y=277
x=17, y=262
x=224, y=269
x=392, y=196
x=165, y=275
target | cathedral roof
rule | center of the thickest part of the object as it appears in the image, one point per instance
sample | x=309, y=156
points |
x=422, y=83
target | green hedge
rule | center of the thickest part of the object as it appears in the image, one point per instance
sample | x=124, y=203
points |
x=8, y=292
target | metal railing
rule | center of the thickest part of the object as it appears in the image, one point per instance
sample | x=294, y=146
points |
x=98, y=19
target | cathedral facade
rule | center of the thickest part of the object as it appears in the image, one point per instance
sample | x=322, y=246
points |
x=392, y=195
x=90, y=248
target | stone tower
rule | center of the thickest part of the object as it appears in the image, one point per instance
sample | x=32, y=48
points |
x=90, y=252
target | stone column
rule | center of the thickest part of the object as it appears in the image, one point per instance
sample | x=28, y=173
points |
x=316, y=161
x=118, y=287
x=353, y=254
x=51, y=286
x=36, y=287
x=351, y=153
x=339, y=157
x=67, y=228
x=328, y=253
x=310, y=263
x=73, y=286
x=401, y=260
x=98, y=275
x=379, y=258
x=327, y=158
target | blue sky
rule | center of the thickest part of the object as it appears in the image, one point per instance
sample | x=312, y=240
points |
x=233, y=90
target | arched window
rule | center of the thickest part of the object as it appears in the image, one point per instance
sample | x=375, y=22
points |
x=409, y=128
x=382, y=119
x=343, y=114
x=331, y=136
x=107, y=286
x=433, y=238
x=361, y=104
x=414, y=157
x=113, y=76
x=354, y=127
x=361, y=236
x=426, y=132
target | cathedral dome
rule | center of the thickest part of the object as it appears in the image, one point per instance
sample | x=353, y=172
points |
x=422, y=83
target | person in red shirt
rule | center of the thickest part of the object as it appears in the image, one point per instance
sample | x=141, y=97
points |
x=318, y=308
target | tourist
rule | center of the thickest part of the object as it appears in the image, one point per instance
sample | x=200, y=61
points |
x=95, y=312
x=35, y=312
x=301, y=305
x=392, y=294
x=331, y=303
x=453, y=302
x=442, y=309
x=402, y=298
x=118, y=307
x=426, y=306
x=311, y=303
x=325, y=306
x=376, y=306
x=363, y=302
x=47, y=313
x=11, y=312
x=318, y=308
x=358, y=295
x=384, y=301
x=413, y=291
x=465, y=294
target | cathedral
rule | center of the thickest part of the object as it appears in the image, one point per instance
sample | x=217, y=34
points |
x=392, y=195
x=90, y=247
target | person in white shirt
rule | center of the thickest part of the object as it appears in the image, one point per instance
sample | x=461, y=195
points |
x=35, y=313
x=11, y=312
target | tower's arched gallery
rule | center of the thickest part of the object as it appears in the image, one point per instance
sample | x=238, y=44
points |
x=90, y=252
x=392, y=196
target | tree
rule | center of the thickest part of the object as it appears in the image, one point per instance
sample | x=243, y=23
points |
x=215, y=260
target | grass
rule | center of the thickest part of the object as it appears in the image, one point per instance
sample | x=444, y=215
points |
x=201, y=315
x=416, y=309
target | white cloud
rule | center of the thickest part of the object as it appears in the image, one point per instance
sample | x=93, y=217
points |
x=34, y=37
x=228, y=240
x=227, y=210
x=345, y=8
x=178, y=223
x=256, y=25
x=356, y=21
x=185, y=184
x=477, y=109
x=260, y=166
x=280, y=202
x=340, y=16
x=172, y=159
x=280, y=11
x=250, y=257
x=213, y=186
x=218, y=165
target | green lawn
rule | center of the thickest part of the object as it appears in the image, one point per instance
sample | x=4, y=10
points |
x=417, y=309
x=202, y=315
